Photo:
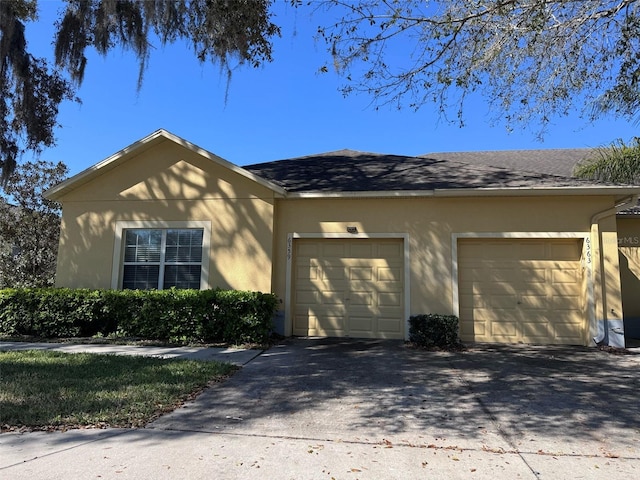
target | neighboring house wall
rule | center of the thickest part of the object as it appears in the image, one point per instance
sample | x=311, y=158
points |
x=629, y=248
x=162, y=185
x=431, y=226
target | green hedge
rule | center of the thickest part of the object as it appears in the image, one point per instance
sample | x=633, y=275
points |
x=433, y=330
x=182, y=316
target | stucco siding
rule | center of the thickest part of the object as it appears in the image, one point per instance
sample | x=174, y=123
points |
x=166, y=171
x=169, y=183
x=430, y=223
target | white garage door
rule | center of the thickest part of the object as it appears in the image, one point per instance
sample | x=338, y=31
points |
x=530, y=291
x=348, y=287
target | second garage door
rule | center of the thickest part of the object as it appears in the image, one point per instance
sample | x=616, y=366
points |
x=348, y=287
x=530, y=291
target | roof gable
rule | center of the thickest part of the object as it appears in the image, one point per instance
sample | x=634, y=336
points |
x=138, y=148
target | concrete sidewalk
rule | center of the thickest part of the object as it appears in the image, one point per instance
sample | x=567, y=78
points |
x=236, y=356
x=361, y=409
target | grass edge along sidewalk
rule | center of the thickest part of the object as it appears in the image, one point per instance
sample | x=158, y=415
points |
x=49, y=390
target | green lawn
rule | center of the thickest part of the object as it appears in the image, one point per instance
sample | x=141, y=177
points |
x=49, y=390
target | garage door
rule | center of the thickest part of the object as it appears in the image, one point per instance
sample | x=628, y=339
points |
x=529, y=291
x=348, y=287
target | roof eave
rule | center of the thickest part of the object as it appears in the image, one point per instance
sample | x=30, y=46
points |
x=610, y=190
x=475, y=192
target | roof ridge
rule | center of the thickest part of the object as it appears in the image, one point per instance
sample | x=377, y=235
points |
x=508, y=150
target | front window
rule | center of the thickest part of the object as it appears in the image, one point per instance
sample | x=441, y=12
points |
x=157, y=258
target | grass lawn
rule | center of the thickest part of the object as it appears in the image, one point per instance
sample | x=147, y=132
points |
x=45, y=390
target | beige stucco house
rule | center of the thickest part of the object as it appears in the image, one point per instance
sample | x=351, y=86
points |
x=354, y=243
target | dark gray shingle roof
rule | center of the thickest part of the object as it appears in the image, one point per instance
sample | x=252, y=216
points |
x=550, y=161
x=352, y=171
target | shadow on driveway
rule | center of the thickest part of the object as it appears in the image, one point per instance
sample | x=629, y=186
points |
x=539, y=399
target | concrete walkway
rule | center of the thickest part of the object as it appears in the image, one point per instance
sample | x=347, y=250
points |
x=360, y=409
x=236, y=356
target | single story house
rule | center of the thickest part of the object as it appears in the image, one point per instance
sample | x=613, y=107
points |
x=354, y=243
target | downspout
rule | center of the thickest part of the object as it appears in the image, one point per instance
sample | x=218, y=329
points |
x=602, y=335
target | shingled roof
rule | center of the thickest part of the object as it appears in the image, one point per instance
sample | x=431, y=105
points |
x=353, y=171
x=550, y=161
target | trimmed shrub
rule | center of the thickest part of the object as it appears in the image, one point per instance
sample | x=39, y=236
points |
x=178, y=316
x=241, y=315
x=433, y=330
x=44, y=312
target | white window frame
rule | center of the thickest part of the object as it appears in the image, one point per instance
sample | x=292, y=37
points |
x=118, y=247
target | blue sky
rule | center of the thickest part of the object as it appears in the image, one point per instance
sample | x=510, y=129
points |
x=282, y=110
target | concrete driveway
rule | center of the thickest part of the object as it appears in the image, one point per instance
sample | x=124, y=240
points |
x=356, y=409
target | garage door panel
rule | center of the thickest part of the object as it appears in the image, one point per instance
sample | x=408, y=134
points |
x=308, y=250
x=337, y=309
x=474, y=301
x=543, y=301
x=389, y=288
x=537, y=317
x=494, y=288
x=530, y=275
x=361, y=299
x=387, y=274
x=358, y=288
x=332, y=297
x=492, y=315
x=498, y=274
x=533, y=250
x=360, y=273
x=502, y=301
x=489, y=271
x=528, y=302
x=471, y=274
x=329, y=321
x=496, y=250
x=333, y=273
x=333, y=249
x=390, y=299
x=307, y=272
x=303, y=323
x=565, y=275
x=505, y=329
x=469, y=330
x=569, y=331
x=563, y=251
x=360, y=324
x=362, y=250
x=358, y=285
x=535, y=332
x=308, y=297
x=391, y=250
x=471, y=252
x=567, y=302
x=564, y=290
x=390, y=327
